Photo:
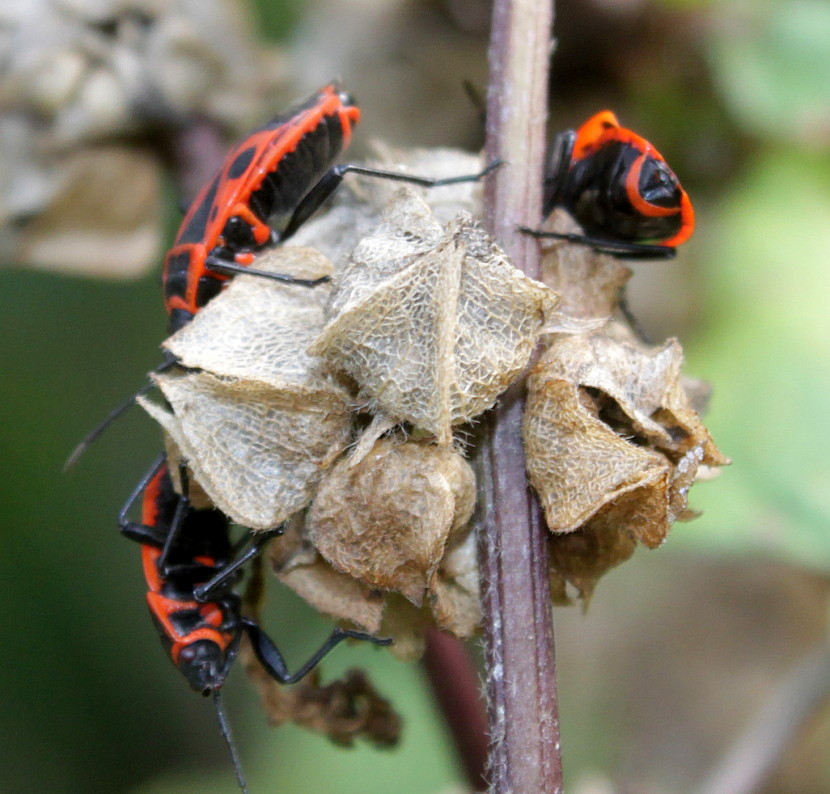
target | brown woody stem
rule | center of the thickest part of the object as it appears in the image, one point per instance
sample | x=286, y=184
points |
x=454, y=679
x=521, y=675
x=196, y=151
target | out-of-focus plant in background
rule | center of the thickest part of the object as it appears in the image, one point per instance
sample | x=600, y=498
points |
x=681, y=646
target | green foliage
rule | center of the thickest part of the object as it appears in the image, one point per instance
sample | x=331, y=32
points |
x=767, y=351
x=771, y=61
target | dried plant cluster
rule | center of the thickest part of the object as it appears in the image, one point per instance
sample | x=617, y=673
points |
x=348, y=410
x=81, y=79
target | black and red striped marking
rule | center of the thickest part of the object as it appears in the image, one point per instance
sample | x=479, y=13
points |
x=263, y=180
x=618, y=187
x=191, y=569
x=201, y=638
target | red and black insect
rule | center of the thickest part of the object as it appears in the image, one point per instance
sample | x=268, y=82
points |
x=619, y=188
x=191, y=570
x=264, y=179
x=279, y=174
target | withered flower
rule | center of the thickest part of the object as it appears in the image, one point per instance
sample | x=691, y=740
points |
x=256, y=417
x=432, y=322
x=613, y=441
x=80, y=80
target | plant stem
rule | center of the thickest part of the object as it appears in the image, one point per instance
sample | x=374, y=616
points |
x=195, y=152
x=521, y=674
x=454, y=680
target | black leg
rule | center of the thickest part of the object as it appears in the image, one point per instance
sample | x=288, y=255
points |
x=182, y=506
x=312, y=201
x=123, y=521
x=615, y=248
x=230, y=268
x=423, y=181
x=332, y=179
x=272, y=660
x=205, y=592
x=157, y=536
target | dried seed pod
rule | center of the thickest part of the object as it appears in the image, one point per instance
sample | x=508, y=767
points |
x=432, y=323
x=388, y=520
x=259, y=421
x=613, y=446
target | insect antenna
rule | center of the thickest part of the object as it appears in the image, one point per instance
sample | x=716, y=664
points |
x=225, y=728
x=116, y=412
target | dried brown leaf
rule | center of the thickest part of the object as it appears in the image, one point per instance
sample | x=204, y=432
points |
x=344, y=710
x=644, y=383
x=452, y=605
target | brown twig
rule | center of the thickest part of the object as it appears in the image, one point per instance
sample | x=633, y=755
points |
x=521, y=676
x=454, y=681
x=194, y=154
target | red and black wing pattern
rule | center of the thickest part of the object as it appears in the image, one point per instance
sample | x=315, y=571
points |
x=263, y=177
x=619, y=187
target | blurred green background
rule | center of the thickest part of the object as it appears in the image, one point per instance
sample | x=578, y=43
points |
x=681, y=645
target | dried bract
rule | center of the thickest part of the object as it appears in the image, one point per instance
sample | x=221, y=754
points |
x=259, y=421
x=432, y=322
x=388, y=520
x=613, y=446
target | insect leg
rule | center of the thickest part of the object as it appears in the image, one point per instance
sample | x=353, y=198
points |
x=272, y=660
